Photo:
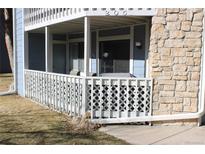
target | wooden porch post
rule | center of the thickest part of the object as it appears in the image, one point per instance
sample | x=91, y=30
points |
x=48, y=52
x=86, y=61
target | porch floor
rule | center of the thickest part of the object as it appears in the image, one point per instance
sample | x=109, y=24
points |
x=25, y=122
x=160, y=135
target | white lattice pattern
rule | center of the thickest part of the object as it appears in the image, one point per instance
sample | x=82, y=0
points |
x=119, y=98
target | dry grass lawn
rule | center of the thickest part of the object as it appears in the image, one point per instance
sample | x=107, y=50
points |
x=5, y=81
x=25, y=122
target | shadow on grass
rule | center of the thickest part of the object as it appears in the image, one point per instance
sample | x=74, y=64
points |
x=51, y=138
x=38, y=128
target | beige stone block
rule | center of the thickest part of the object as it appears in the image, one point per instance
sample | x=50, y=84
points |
x=158, y=20
x=196, y=29
x=192, y=83
x=186, y=25
x=169, y=87
x=184, y=78
x=160, y=43
x=172, y=17
x=192, y=43
x=155, y=106
x=164, y=77
x=157, y=28
x=158, y=32
x=179, y=100
x=153, y=47
x=166, y=100
x=197, y=23
x=189, y=14
x=194, y=101
x=182, y=17
x=186, y=94
x=156, y=56
x=165, y=107
x=166, y=93
x=155, y=74
x=189, y=61
x=165, y=63
x=155, y=98
x=164, y=51
x=167, y=68
x=192, y=108
x=198, y=16
x=197, y=54
x=182, y=10
x=180, y=85
x=180, y=67
x=173, y=25
x=197, y=61
x=178, y=107
x=193, y=35
x=158, y=69
x=178, y=52
x=176, y=34
x=180, y=60
x=167, y=82
x=193, y=68
x=192, y=88
x=167, y=73
x=196, y=10
x=187, y=102
x=195, y=76
x=174, y=43
x=189, y=54
x=173, y=10
x=161, y=12
x=180, y=73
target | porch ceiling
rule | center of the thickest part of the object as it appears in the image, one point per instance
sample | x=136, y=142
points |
x=77, y=25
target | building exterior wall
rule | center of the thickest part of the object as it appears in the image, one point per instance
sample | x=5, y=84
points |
x=175, y=59
x=19, y=30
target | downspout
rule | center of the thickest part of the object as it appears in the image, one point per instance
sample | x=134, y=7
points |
x=12, y=89
x=182, y=116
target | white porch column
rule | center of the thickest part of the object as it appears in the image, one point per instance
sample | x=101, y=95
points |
x=132, y=49
x=86, y=61
x=86, y=45
x=48, y=50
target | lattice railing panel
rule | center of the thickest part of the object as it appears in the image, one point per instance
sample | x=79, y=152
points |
x=119, y=98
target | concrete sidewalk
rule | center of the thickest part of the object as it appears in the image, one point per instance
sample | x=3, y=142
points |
x=146, y=135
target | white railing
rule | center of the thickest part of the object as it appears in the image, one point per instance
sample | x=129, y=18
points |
x=110, y=98
x=39, y=17
x=105, y=98
x=60, y=92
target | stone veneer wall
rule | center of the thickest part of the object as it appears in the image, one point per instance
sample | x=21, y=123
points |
x=175, y=59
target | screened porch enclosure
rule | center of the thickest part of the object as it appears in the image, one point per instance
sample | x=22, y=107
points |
x=66, y=46
x=87, y=66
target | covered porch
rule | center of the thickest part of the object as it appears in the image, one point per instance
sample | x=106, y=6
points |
x=91, y=64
